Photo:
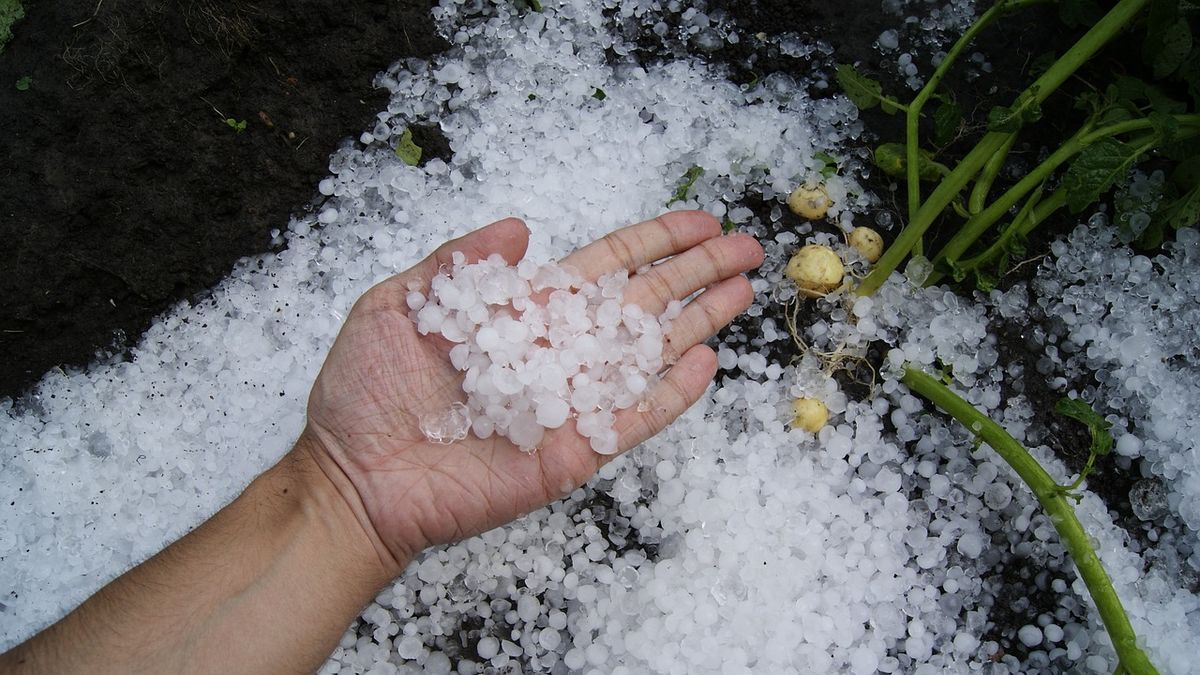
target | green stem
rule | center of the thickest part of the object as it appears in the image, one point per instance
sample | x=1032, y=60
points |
x=913, y=111
x=1021, y=226
x=1131, y=658
x=1086, y=47
x=983, y=184
x=979, y=223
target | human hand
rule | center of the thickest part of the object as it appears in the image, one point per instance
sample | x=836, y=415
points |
x=382, y=376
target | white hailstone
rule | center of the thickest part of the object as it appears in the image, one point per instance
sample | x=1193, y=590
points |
x=1030, y=635
x=529, y=367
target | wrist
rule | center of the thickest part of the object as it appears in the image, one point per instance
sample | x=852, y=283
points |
x=331, y=499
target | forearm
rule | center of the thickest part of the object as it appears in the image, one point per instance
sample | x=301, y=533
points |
x=267, y=585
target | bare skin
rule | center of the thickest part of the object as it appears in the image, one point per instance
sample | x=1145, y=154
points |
x=271, y=581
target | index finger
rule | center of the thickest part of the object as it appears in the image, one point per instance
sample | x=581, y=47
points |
x=633, y=246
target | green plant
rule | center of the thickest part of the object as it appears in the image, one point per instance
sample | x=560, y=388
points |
x=1053, y=499
x=11, y=11
x=408, y=151
x=1124, y=123
x=685, y=184
x=236, y=125
x=24, y=83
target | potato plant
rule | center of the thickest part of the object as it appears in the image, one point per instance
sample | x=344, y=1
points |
x=1124, y=122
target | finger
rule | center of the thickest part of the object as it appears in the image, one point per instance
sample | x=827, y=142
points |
x=508, y=237
x=682, y=386
x=698, y=267
x=636, y=245
x=707, y=314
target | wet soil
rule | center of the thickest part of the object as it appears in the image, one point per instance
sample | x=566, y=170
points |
x=123, y=188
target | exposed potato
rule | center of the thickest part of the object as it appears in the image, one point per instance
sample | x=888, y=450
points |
x=809, y=202
x=809, y=414
x=867, y=242
x=816, y=270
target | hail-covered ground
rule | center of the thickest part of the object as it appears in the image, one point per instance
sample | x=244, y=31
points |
x=729, y=543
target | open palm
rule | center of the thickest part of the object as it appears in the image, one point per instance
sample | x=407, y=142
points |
x=382, y=376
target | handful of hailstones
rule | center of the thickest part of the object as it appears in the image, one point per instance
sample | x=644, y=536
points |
x=538, y=346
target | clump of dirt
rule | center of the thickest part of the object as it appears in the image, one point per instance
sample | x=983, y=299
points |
x=158, y=142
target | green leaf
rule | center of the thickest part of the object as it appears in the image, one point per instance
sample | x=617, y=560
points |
x=1184, y=209
x=24, y=83
x=1165, y=125
x=986, y=281
x=685, y=185
x=1041, y=63
x=861, y=90
x=1010, y=119
x=1182, y=150
x=11, y=12
x=1168, y=47
x=1080, y=411
x=829, y=164
x=727, y=226
x=599, y=94
x=1095, y=170
x=946, y=121
x=1181, y=212
x=891, y=158
x=1131, y=90
x=408, y=151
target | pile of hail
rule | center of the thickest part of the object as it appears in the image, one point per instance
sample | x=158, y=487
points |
x=539, y=345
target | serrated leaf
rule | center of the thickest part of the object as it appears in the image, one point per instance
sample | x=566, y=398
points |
x=1080, y=411
x=1133, y=90
x=1010, y=119
x=985, y=281
x=1165, y=125
x=1095, y=170
x=946, y=121
x=685, y=184
x=1184, y=209
x=408, y=151
x=863, y=91
x=1181, y=212
x=1168, y=47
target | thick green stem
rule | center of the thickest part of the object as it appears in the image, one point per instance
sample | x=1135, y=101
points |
x=1091, y=42
x=983, y=184
x=1132, y=659
x=974, y=228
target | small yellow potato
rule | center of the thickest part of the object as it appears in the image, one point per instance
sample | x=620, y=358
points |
x=809, y=414
x=867, y=242
x=816, y=270
x=811, y=202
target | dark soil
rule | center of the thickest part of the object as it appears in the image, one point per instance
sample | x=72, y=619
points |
x=123, y=189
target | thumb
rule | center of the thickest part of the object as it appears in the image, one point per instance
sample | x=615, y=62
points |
x=508, y=237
